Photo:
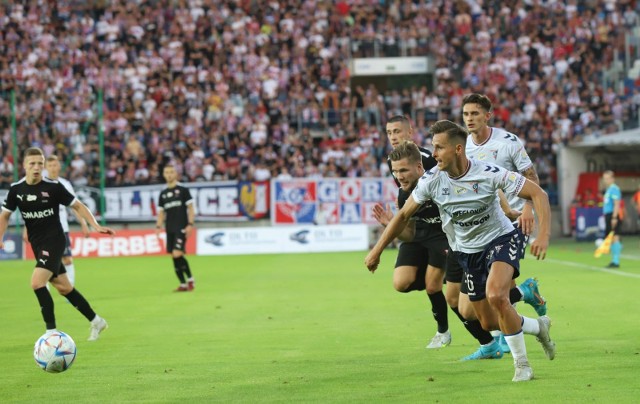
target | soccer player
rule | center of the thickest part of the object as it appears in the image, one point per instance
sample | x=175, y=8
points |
x=504, y=149
x=52, y=166
x=176, y=211
x=488, y=245
x=39, y=199
x=611, y=210
x=421, y=260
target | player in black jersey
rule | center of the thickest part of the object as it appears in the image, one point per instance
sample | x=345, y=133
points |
x=422, y=254
x=39, y=199
x=176, y=211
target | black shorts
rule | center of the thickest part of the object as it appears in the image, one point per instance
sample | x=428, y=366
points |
x=607, y=224
x=67, y=248
x=454, y=270
x=49, y=255
x=176, y=241
x=421, y=254
x=507, y=248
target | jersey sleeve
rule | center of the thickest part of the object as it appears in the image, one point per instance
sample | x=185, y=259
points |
x=509, y=181
x=521, y=158
x=616, y=195
x=187, y=198
x=67, y=185
x=421, y=192
x=10, y=204
x=63, y=196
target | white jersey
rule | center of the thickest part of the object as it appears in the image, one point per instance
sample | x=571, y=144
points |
x=469, y=205
x=503, y=149
x=64, y=220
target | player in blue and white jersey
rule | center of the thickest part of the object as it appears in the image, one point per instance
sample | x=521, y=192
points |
x=489, y=246
x=504, y=149
x=611, y=211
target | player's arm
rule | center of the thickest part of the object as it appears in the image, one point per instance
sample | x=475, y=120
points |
x=86, y=231
x=4, y=222
x=191, y=217
x=526, y=221
x=616, y=212
x=540, y=199
x=395, y=227
x=81, y=210
x=159, y=221
x=512, y=214
x=384, y=214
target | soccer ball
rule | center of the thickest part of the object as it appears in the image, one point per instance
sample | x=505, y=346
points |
x=599, y=242
x=54, y=352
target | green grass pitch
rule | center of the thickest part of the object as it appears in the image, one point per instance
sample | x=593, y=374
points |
x=314, y=328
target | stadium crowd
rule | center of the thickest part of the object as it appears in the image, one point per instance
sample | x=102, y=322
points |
x=253, y=90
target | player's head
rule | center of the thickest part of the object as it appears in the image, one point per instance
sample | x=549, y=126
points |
x=406, y=164
x=449, y=142
x=608, y=177
x=170, y=174
x=476, y=112
x=398, y=130
x=33, y=163
x=52, y=164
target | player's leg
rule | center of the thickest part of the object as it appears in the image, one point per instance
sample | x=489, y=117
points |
x=65, y=288
x=180, y=261
x=171, y=249
x=456, y=296
x=67, y=260
x=434, y=279
x=39, y=279
x=406, y=279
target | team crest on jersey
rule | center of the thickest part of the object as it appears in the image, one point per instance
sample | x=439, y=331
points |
x=494, y=153
x=474, y=186
x=45, y=194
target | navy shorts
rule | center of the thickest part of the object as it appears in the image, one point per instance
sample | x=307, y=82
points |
x=508, y=249
x=49, y=255
x=176, y=241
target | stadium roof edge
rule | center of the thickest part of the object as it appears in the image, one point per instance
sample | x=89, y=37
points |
x=625, y=138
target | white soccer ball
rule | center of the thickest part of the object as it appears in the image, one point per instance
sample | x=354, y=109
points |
x=599, y=242
x=54, y=352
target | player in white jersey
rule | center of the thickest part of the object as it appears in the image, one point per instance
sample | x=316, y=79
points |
x=489, y=246
x=504, y=149
x=52, y=166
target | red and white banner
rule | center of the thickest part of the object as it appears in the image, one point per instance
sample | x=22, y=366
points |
x=125, y=243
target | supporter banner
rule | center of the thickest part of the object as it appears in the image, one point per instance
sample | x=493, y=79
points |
x=589, y=224
x=223, y=200
x=329, y=200
x=125, y=243
x=12, y=247
x=274, y=240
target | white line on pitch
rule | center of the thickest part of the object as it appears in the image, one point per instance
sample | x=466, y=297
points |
x=592, y=268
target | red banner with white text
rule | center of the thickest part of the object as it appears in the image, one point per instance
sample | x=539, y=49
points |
x=125, y=243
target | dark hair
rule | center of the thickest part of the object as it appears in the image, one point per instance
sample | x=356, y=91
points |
x=399, y=118
x=453, y=131
x=406, y=150
x=33, y=151
x=482, y=100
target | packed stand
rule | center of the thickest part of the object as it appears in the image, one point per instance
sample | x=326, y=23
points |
x=262, y=89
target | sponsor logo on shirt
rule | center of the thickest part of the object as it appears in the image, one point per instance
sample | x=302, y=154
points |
x=38, y=214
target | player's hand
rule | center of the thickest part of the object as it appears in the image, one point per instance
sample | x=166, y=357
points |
x=188, y=230
x=105, y=230
x=514, y=214
x=539, y=247
x=372, y=261
x=158, y=232
x=381, y=214
x=526, y=221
